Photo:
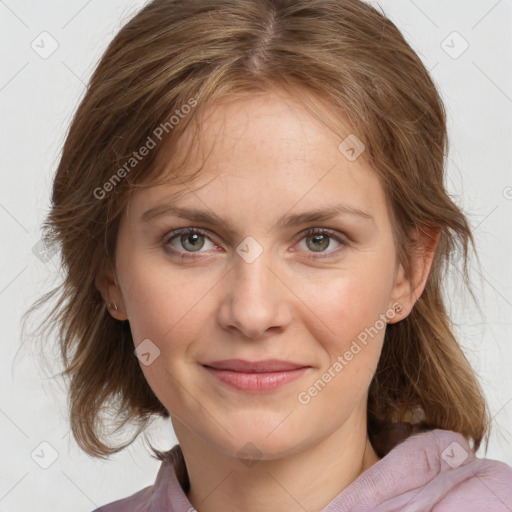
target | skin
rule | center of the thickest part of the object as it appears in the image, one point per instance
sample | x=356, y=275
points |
x=264, y=157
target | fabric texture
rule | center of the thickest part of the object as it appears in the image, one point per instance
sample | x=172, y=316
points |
x=432, y=471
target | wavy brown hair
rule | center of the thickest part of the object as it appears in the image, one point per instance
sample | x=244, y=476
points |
x=174, y=53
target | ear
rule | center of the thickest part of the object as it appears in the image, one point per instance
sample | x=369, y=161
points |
x=106, y=283
x=408, y=287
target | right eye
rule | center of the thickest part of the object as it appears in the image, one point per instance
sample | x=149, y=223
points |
x=191, y=240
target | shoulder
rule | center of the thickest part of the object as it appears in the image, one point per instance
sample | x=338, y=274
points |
x=484, y=484
x=137, y=502
x=438, y=471
x=156, y=497
x=464, y=481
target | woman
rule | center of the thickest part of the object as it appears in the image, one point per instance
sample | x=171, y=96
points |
x=254, y=229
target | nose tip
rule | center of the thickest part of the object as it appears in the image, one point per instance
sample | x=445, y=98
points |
x=253, y=323
x=254, y=302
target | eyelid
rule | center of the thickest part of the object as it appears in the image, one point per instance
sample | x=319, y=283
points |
x=183, y=231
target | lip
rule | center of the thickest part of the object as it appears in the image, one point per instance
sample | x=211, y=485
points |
x=267, y=365
x=255, y=376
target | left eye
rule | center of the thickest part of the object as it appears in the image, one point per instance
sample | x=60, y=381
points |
x=319, y=240
x=192, y=240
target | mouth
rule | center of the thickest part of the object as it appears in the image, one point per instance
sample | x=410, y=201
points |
x=255, y=376
x=265, y=366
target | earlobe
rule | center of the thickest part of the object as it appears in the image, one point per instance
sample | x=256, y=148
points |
x=107, y=285
x=114, y=305
x=410, y=285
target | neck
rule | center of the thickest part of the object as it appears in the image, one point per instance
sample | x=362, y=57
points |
x=308, y=479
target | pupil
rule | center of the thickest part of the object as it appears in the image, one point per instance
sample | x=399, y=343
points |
x=320, y=239
x=193, y=240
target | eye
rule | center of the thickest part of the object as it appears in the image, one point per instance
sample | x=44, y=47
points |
x=191, y=240
x=318, y=240
x=185, y=242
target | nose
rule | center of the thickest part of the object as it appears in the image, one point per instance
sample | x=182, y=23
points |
x=255, y=299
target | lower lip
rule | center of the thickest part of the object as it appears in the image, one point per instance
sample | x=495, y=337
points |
x=256, y=382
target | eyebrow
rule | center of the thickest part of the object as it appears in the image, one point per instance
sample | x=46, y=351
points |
x=286, y=221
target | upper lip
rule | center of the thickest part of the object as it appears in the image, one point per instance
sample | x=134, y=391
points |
x=241, y=365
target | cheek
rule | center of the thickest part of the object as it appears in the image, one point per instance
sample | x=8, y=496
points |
x=158, y=307
x=347, y=317
x=165, y=304
x=164, y=308
x=351, y=300
x=351, y=335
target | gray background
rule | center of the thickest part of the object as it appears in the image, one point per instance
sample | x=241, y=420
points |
x=39, y=92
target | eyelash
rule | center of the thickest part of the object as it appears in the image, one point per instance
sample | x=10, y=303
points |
x=195, y=231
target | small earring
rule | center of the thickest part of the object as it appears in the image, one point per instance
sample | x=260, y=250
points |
x=397, y=308
x=110, y=305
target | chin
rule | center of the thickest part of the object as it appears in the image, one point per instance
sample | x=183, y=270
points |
x=256, y=444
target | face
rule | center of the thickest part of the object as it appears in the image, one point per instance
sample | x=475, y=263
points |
x=256, y=279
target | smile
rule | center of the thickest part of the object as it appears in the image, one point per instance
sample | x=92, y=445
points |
x=256, y=382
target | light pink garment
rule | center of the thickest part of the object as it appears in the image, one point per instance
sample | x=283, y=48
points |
x=433, y=471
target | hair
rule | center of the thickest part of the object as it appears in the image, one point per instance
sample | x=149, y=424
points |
x=171, y=54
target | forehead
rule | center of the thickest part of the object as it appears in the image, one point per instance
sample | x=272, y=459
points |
x=265, y=150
